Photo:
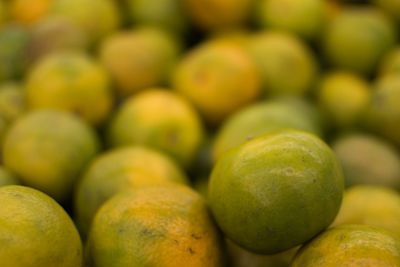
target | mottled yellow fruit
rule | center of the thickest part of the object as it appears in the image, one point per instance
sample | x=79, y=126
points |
x=219, y=78
x=118, y=170
x=48, y=150
x=344, y=98
x=286, y=64
x=160, y=227
x=371, y=205
x=276, y=191
x=367, y=159
x=218, y=15
x=351, y=246
x=28, y=12
x=306, y=18
x=98, y=18
x=159, y=119
x=139, y=59
x=73, y=82
x=35, y=231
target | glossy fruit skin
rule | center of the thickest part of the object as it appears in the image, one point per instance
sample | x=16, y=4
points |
x=155, y=226
x=276, y=191
x=350, y=246
x=36, y=231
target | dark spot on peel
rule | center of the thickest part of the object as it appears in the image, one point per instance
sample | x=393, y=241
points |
x=191, y=251
x=195, y=236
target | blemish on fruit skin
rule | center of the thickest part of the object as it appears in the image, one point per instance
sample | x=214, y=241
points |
x=195, y=236
x=191, y=251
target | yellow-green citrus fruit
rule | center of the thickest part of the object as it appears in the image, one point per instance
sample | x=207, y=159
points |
x=12, y=101
x=98, y=18
x=218, y=15
x=305, y=18
x=287, y=66
x=139, y=59
x=258, y=119
x=276, y=191
x=219, y=78
x=36, y=231
x=70, y=81
x=48, y=150
x=159, y=226
x=118, y=170
x=160, y=119
x=166, y=14
x=54, y=34
x=391, y=62
x=357, y=38
x=14, y=40
x=350, y=246
x=383, y=115
x=7, y=178
x=239, y=257
x=28, y=12
x=371, y=205
x=367, y=159
x=344, y=98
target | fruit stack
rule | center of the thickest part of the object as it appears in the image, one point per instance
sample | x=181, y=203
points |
x=199, y=133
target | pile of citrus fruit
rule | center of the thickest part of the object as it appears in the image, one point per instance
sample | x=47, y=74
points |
x=199, y=133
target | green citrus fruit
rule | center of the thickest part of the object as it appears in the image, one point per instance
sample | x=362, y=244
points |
x=349, y=246
x=118, y=170
x=70, y=81
x=287, y=66
x=259, y=119
x=391, y=7
x=371, y=205
x=36, y=231
x=357, y=38
x=159, y=119
x=219, y=78
x=161, y=226
x=139, y=59
x=276, y=191
x=48, y=150
x=367, y=159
